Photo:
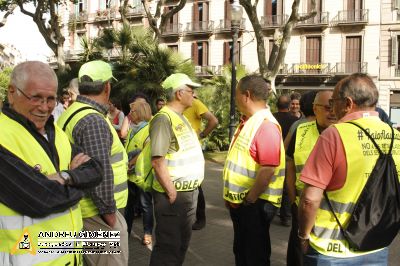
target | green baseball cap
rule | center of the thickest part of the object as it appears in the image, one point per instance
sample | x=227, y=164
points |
x=97, y=70
x=177, y=80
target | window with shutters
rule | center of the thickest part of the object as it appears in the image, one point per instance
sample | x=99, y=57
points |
x=172, y=23
x=273, y=12
x=396, y=4
x=228, y=14
x=200, y=16
x=313, y=54
x=81, y=6
x=200, y=53
x=227, y=52
x=396, y=54
x=353, y=54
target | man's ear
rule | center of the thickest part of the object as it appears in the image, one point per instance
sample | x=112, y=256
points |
x=10, y=94
x=349, y=104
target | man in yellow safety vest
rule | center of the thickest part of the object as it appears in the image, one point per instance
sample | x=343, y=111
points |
x=254, y=173
x=340, y=165
x=178, y=164
x=31, y=149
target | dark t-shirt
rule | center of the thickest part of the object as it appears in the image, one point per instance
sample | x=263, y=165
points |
x=285, y=120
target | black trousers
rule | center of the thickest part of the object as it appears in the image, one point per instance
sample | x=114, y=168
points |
x=132, y=205
x=252, y=244
x=201, y=206
x=294, y=256
x=173, y=227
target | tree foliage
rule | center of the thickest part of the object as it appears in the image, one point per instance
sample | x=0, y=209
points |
x=141, y=63
x=4, y=81
x=216, y=96
x=50, y=28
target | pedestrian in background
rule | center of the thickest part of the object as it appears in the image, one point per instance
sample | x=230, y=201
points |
x=254, y=173
x=197, y=113
x=137, y=139
x=295, y=105
x=285, y=120
x=300, y=147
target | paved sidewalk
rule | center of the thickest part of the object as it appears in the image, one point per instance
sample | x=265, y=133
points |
x=213, y=244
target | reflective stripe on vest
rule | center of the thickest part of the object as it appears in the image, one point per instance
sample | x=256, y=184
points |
x=326, y=237
x=20, y=142
x=185, y=166
x=241, y=170
x=306, y=137
x=118, y=158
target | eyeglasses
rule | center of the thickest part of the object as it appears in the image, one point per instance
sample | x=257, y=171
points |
x=333, y=100
x=37, y=100
x=327, y=108
x=190, y=91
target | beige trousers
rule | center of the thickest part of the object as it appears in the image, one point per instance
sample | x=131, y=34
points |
x=95, y=223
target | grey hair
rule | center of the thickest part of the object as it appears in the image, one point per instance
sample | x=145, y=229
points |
x=29, y=70
x=360, y=88
x=171, y=94
x=74, y=85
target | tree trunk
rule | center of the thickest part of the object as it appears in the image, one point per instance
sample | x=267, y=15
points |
x=271, y=70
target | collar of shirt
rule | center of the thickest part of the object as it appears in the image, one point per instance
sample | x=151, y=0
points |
x=358, y=115
x=99, y=107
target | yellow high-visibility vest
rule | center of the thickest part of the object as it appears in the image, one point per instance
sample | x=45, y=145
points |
x=240, y=169
x=306, y=137
x=361, y=157
x=143, y=168
x=185, y=166
x=15, y=138
x=118, y=158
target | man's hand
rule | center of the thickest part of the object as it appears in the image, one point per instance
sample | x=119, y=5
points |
x=304, y=244
x=109, y=218
x=56, y=177
x=79, y=159
x=172, y=196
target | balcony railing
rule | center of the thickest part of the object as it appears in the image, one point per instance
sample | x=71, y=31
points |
x=352, y=16
x=204, y=70
x=321, y=18
x=347, y=68
x=172, y=29
x=397, y=71
x=273, y=21
x=136, y=11
x=316, y=68
x=226, y=25
x=105, y=14
x=200, y=27
x=79, y=17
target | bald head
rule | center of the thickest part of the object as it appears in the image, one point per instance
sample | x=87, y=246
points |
x=322, y=110
x=360, y=88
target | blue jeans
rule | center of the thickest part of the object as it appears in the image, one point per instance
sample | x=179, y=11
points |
x=252, y=243
x=313, y=258
x=146, y=202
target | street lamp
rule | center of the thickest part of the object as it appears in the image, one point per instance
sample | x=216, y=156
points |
x=236, y=18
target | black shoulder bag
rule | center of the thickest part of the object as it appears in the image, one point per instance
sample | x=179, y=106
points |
x=375, y=220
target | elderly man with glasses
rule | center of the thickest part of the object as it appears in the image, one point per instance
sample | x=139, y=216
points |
x=300, y=147
x=42, y=174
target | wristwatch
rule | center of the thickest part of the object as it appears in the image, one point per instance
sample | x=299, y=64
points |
x=65, y=176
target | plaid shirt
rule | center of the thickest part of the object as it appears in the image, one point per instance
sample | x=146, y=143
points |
x=93, y=135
